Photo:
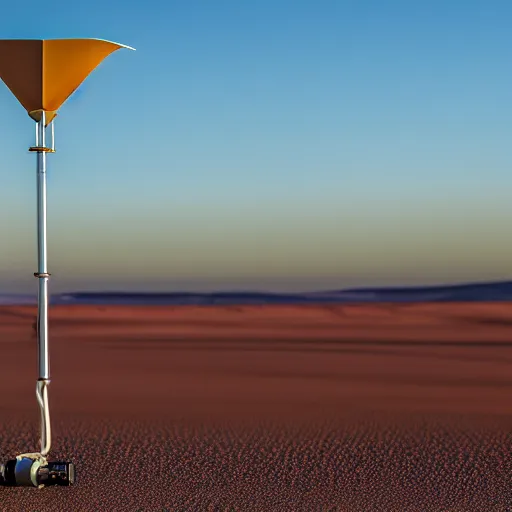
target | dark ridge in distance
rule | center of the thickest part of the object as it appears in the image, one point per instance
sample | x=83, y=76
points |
x=472, y=292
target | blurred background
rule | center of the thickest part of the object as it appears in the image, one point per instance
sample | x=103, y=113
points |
x=267, y=145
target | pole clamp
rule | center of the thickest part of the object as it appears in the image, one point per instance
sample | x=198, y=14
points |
x=41, y=274
x=41, y=149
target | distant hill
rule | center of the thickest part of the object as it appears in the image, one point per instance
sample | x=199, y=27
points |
x=475, y=292
x=11, y=299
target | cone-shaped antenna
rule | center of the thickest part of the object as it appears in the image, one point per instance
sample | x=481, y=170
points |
x=43, y=74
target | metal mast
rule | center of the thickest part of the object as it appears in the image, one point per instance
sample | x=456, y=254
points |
x=42, y=74
x=42, y=276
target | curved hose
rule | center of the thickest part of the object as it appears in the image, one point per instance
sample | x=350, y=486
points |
x=42, y=398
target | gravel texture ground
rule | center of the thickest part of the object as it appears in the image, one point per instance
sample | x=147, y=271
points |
x=349, y=465
x=267, y=409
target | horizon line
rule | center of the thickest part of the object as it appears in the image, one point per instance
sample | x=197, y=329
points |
x=275, y=293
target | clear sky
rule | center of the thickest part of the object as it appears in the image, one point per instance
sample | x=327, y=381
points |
x=268, y=144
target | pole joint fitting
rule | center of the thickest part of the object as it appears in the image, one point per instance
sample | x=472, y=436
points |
x=41, y=149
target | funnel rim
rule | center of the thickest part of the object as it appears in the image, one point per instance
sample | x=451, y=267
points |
x=73, y=39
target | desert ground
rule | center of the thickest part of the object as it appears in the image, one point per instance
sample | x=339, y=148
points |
x=351, y=408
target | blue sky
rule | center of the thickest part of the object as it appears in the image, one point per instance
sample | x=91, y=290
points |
x=269, y=145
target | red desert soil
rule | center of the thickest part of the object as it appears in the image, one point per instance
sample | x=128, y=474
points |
x=274, y=408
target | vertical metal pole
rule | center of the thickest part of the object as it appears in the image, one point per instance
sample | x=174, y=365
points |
x=42, y=268
x=42, y=303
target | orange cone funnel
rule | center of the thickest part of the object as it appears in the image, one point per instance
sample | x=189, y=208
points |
x=43, y=74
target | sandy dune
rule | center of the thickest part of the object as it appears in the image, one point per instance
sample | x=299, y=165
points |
x=371, y=407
